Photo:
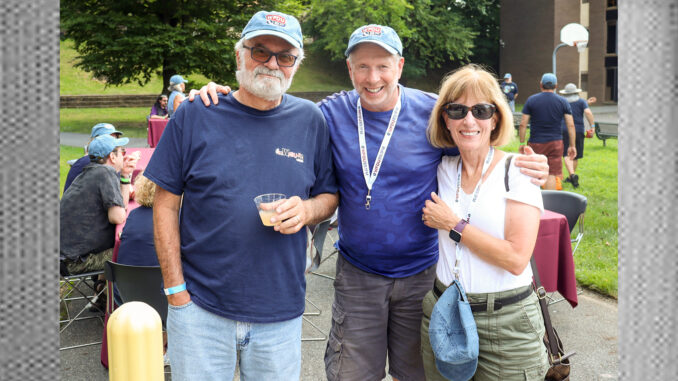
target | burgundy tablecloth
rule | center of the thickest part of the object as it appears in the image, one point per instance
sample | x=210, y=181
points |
x=110, y=306
x=553, y=254
x=146, y=154
x=155, y=129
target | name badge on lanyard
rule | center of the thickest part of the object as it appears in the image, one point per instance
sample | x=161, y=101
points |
x=371, y=177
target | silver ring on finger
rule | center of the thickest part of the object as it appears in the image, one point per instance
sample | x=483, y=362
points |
x=298, y=220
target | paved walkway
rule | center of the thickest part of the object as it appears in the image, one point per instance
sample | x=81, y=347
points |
x=80, y=140
x=590, y=329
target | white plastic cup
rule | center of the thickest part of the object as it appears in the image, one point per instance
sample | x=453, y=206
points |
x=266, y=215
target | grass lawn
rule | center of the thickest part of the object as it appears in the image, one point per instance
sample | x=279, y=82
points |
x=596, y=258
x=130, y=120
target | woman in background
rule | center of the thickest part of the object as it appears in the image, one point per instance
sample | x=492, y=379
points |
x=159, y=109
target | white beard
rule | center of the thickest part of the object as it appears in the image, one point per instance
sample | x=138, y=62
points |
x=269, y=89
x=572, y=98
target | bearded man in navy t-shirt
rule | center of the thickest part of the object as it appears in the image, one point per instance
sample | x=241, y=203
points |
x=236, y=287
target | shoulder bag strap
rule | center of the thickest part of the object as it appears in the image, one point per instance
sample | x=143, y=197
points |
x=541, y=294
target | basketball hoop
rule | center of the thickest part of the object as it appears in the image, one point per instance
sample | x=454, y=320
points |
x=581, y=45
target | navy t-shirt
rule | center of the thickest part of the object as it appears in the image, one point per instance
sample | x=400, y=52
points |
x=221, y=157
x=578, y=108
x=75, y=170
x=136, y=242
x=389, y=239
x=510, y=90
x=546, y=110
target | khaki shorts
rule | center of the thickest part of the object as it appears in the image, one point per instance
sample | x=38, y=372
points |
x=511, y=346
x=374, y=316
x=553, y=151
x=92, y=262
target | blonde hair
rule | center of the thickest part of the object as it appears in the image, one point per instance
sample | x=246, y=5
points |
x=144, y=191
x=472, y=80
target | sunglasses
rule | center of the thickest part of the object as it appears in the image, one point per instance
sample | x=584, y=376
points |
x=481, y=111
x=263, y=55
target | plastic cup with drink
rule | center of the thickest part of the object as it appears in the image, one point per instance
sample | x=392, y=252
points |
x=266, y=198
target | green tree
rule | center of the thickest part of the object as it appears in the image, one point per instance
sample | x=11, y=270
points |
x=124, y=41
x=434, y=32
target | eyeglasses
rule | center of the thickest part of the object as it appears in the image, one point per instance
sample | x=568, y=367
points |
x=481, y=111
x=261, y=54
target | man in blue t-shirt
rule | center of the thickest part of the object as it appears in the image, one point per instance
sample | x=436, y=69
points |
x=388, y=256
x=236, y=287
x=545, y=112
x=510, y=89
x=580, y=108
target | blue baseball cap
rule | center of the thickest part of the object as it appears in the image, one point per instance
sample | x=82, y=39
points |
x=104, y=129
x=507, y=75
x=277, y=24
x=549, y=78
x=177, y=79
x=383, y=36
x=453, y=334
x=103, y=145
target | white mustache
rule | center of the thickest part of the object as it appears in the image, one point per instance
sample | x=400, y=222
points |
x=266, y=71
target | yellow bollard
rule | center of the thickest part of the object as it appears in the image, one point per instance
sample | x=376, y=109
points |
x=135, y=344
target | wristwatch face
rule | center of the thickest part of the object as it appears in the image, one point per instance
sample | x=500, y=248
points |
x=455, y=235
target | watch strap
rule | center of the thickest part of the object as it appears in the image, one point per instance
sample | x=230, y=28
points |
x=461, y=225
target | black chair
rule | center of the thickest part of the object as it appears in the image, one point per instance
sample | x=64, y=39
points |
x=570, y=204
x=138, y=283
x=316, y=240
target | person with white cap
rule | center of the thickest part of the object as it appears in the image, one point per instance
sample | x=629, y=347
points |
x=387, y=255
x=98, y=130
x=177, y=86
x=510, y=89
x=236, y=287
x=95, y=202
x=545, y=112
x=580, y=109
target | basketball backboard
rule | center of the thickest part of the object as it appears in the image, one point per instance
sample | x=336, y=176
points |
x=572, y=33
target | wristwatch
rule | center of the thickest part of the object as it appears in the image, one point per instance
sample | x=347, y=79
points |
x=455, y=234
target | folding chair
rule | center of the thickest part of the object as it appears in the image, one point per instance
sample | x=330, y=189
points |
x=334, y=225
x=84, y=285
x=316, y=241
x=572, y=206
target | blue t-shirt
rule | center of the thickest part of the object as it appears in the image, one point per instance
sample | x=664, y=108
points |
x=390, y=238
x=546, y=110
x=510, y=90
x=75, y=170
x=136, y=242
x=221, y=157
x=578, y=108
x=170, y=102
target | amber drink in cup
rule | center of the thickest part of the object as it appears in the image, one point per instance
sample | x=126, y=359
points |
x=267, y=214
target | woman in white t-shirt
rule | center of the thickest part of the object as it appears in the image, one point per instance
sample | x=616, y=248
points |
x=495, y=229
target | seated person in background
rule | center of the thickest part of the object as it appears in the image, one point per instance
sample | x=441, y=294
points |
x=94, y=203
x=136, y=242
x=159, y=109
x=177, y=87
x=97, y=130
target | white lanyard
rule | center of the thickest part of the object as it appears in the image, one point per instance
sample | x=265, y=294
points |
x=371, y=178
x=486, y=165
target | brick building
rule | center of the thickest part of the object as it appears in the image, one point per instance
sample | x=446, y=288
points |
x=530, y=30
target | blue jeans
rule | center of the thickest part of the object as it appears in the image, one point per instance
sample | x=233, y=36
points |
x=206, y=346
x=512, y=105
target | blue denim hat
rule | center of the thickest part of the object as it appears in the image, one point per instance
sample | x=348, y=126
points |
x=103, y=145
x=277, y=24
x=549, y=78
x=453, y=334
x=177, y=79
x=383, y=36
x=104, y=129
x=507, y=75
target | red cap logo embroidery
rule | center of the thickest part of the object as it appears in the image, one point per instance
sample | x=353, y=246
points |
x=276, y=20
x=371, y=31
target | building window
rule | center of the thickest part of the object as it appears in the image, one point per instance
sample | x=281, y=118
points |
x=584, y=81
x=611, y=3
x=611, y=84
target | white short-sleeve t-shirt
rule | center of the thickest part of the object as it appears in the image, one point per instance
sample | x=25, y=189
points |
x=488, y=215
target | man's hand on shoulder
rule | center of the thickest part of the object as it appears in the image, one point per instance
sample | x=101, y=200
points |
x=209, y=90
x=533, y=165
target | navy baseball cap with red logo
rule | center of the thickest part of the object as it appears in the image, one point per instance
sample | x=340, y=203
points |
x=277, y=24
x=383, y=36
